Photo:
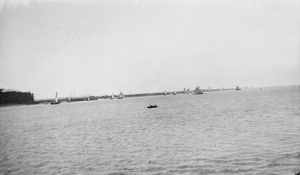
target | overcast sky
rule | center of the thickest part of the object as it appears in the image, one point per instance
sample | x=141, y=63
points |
x=134, y=46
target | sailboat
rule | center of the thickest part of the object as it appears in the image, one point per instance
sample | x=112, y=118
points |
x=121, y=95
x=165, y=93
x=55, y=102
x=112, y=96
x=188, y=91
x=198, y=91
x=87, y=97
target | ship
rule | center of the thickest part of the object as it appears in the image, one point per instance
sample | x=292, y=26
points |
x=238, y=88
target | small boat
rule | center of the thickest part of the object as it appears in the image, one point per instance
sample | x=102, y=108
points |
x=154, y=106
x=165, y=93
x=55, y=101
x=237, y=88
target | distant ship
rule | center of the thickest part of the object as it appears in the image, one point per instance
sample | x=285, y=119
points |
x=165, y=93
x=174, y=93
x=55, y=102
x=198, y=91
x=237, y=88
x=121, y=95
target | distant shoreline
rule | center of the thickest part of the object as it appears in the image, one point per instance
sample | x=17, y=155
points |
x=94, y=98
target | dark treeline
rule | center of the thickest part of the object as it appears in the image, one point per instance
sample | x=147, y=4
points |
x=15, y=97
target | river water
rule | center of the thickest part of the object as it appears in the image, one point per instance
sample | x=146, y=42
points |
x=230, y=132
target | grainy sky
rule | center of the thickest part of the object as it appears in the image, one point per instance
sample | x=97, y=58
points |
x=134, y=46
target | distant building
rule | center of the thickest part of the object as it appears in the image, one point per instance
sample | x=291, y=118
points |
x=15, y=97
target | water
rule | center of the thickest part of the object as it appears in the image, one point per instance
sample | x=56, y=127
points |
x=231, y=132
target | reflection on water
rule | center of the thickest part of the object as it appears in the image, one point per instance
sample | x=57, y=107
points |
x=231, y=132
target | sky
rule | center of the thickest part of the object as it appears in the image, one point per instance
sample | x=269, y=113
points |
x=102, y=47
